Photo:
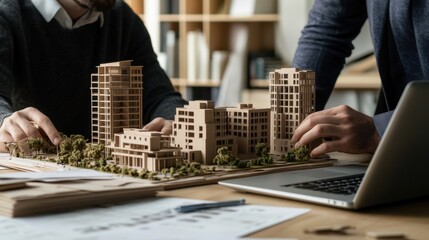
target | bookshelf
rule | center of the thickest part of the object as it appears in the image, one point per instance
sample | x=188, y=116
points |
x=353, y=81
x=361, y=74
x=212, y=19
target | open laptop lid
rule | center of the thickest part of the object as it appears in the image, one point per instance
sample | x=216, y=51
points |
x=400, y=166
x=399, y=169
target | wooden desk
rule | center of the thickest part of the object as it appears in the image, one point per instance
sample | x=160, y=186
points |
x=411, y=217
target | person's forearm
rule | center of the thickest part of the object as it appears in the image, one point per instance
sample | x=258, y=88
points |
x=5, y=109
x=327, y=40
x=167, y=108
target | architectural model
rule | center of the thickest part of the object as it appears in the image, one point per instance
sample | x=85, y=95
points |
x=292, y=95
x=202, y=134
x=116, y=100
x=249, y=126
x=137, y=148
x=200, y=129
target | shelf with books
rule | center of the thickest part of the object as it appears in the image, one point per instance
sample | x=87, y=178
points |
x=193, y=38
x=355, y=81
x=216, y=18
x=253, y=18
x=182, y=82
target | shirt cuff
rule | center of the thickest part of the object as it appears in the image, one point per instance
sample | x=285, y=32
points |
x=381, y=121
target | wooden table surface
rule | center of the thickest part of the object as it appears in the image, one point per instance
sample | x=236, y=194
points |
x=410, y=217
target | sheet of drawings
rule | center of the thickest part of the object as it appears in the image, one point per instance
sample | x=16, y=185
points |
x=149, y=219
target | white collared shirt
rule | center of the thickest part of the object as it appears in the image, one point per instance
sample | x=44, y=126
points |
x=52, y=9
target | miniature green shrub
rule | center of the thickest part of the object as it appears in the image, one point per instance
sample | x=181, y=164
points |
x=300, y=154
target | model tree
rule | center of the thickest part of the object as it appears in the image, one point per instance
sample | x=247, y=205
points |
x=35, y=144
x=94, y=152
x=299, y=154
x=13, y=149
x=225, y=158
x=75, y=151
x=78, y=143
x=262, y=155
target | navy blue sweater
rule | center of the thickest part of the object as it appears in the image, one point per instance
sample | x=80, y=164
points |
x=48, y=67
x=401, y=43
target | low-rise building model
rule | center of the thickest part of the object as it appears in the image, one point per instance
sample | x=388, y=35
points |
x=200, y=129
x=249, y=126
x=143, y=149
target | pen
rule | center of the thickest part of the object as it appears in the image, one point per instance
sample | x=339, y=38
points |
x=200, y=206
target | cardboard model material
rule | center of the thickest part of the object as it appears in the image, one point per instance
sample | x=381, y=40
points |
x=292, y=95
x=116, y=100
x=200, y=129
x=138, y=148
x=249, y=126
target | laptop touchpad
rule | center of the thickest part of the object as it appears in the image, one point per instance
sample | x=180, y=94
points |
x=322, y=173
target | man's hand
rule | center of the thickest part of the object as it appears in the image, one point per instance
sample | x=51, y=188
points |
x=161, y=125
x=26, y=123
x=350, y=130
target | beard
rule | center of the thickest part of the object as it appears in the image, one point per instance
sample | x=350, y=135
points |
x=96, y=5
x=102, y=5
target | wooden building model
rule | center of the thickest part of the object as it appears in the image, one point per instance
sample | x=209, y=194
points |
x=116, y=100
x=292, y=96
x=249, y=126
x=137, y=148
x=200, y=129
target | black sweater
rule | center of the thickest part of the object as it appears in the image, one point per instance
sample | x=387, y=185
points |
x=48, y=67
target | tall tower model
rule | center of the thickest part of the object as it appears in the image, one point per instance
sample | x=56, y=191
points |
x=292, y=95
x=116, y=100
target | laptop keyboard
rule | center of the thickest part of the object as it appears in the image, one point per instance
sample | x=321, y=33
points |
x=342, y=185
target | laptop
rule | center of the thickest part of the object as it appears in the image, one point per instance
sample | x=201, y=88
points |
x=399, y=169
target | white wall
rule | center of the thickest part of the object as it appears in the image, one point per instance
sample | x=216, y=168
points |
x=293, y=17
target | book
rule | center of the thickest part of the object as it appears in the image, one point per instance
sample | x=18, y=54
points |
x=204, y=58
x=172, y=54
x=233, y=80
x=151, y=21
x=218, y=65
x=162, y=59
x=193, y=55
x=46, y=197
x=169, y=6
x=259, y=66
x=251, y=7
x=223, y=7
